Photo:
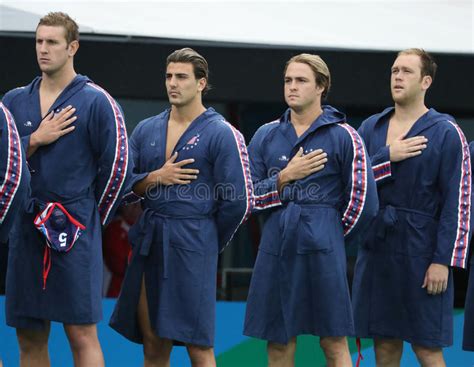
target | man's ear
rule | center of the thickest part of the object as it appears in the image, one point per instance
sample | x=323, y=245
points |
x=320, y=89
x=426, y=82
x=73, y=47
x=202, y=84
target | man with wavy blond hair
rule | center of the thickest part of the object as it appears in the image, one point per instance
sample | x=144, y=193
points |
x=312, y=174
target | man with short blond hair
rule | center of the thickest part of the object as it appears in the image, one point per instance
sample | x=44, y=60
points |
x=74, y=135
x=403, y=285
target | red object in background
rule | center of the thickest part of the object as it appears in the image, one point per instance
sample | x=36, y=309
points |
x=116, y=246
x=116, y=249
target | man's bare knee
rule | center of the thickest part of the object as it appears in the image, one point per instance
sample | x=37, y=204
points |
x=281, y=354
x=155, y=348
x=279, y=349
x=201, y=356
x=334, y=346
x=81, y=336
x=388, y=352
x=432, y=357
x=32, y=340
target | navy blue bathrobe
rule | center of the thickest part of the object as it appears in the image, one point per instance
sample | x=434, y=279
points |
x=177, y=240
x=424, y=218
x=85, y=171
x=299, y=284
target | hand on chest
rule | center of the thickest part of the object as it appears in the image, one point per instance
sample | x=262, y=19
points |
x=56, y=120
x=409, y=145
x=279, y=153
x=416, y=154
x=155, y=150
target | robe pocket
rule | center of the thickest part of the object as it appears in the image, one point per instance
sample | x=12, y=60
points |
x=186, y=266
x=188, y=235
x=317, y=233
x=420, y=235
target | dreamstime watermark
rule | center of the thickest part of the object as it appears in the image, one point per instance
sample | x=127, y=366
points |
x=199, y=192
x=229, y=192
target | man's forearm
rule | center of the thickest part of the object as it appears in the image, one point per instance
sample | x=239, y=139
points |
x=283, y=180
x=33, y=145
x=151, y=180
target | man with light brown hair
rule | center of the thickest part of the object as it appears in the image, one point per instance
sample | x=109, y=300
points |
x=311, y=173
x=74, y=134
x=403, y=284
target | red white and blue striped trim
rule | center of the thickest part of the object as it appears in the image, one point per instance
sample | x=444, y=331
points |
x=359, y=182
x=382, y=170
x=131, y=198
x=267, y=200
x=459, y=255
x=272, y=198
x=119, y=164
x=244, y=161
x=11, y=181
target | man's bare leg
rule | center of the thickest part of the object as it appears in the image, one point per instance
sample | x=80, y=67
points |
x=201, y=356
x=336, y=351
x=156, y=350
x=34, y=347
x=85, y=346
x=281, y=355
x=388, y=352
x=429, y=357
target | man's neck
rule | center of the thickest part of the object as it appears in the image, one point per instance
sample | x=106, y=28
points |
x=56, y=82
x=186, y=114
x=307, y=116
x=409, y=113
